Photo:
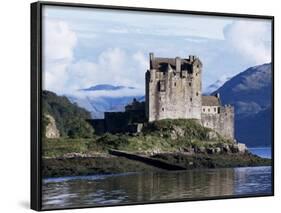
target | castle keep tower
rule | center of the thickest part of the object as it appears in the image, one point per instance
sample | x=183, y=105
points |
x=173, y=88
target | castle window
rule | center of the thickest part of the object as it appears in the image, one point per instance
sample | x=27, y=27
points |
x=203, y=109
x=163, y=109
x=190, y=99
x=175, y=84
x=209, y=110
x=197, y=93
x=162, y=86
x=190, y=84
x=215, y=109
x=184, y=74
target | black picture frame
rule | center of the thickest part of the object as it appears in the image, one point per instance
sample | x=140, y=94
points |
x=36, y=92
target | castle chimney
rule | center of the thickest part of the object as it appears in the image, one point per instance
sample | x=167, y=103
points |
x=178, y=64
x=191, y=58
x=151, y=58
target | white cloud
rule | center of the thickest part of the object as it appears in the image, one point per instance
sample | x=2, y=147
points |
x=157, y=24
x=113, y=66
x=65, y=74
x=58, y=44
x=196, y=40
x=250, y=39
x=114, y=49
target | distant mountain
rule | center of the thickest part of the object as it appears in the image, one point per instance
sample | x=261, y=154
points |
x=96, y=102
x=216, y=85
x=255, y=129
x=250, y=92
x=106, y=87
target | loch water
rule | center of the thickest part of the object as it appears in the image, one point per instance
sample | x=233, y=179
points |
x=264, y=152
x=96, y=190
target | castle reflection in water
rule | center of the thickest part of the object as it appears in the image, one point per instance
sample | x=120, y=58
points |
x=159, y=186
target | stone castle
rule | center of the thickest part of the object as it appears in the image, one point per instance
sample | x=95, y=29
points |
x=173, y=90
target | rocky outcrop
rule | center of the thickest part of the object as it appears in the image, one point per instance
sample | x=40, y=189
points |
x=242, y=147
x=212, y=135
x=231, y=148
x=177, y=132
x=51, y=128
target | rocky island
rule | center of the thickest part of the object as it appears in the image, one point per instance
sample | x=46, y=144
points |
x=175, y=128
x=180, y=144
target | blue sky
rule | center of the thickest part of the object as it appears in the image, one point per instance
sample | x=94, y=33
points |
x=83, y=47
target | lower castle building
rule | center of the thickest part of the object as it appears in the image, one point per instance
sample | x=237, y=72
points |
x=217, y=117
x=173, y=89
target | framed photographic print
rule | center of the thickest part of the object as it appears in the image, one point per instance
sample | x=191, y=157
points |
x=140, y=105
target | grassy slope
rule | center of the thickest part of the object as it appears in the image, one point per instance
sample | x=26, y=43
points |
x=156, y=136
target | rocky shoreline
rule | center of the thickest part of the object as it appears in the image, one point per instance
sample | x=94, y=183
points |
x=73, y=164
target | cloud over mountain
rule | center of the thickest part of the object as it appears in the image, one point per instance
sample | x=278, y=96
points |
x=250, y=39
x=101, y=47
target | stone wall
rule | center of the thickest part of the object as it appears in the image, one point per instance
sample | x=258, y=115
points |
x=222, y=122
x=98, y=125
x=119, y=122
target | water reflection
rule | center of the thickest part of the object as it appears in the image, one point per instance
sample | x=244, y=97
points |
x=249, y=180
x=143, y=187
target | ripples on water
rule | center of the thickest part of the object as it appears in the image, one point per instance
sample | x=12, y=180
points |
x=158, y=186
